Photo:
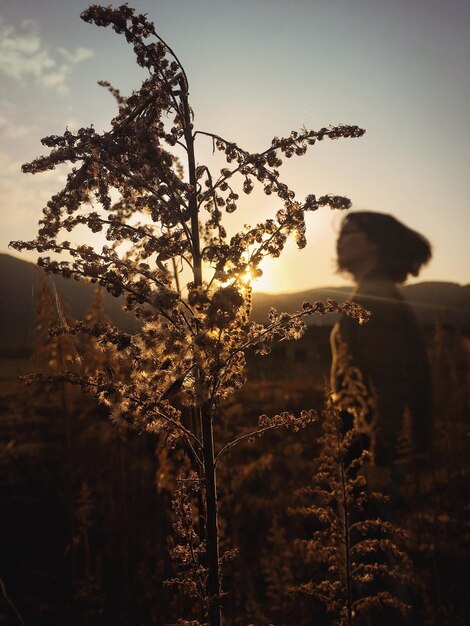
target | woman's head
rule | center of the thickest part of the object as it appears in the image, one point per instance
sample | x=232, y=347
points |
x=378, y=244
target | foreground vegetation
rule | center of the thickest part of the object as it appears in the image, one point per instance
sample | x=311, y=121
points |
x=86, y=521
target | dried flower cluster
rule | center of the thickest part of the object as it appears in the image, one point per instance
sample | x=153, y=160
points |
x=127, y=184
x=190, y=550
x=358, y=570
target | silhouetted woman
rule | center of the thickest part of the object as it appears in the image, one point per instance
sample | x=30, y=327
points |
x=386, y=357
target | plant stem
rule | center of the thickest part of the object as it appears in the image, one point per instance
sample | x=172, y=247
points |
x=212, y=534
x=192, y=205
x=347, y=546
x=205, y=412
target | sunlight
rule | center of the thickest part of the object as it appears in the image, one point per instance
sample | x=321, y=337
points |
x=265, y=281
x=257, y=279
x=243, y=281
x=247, y=277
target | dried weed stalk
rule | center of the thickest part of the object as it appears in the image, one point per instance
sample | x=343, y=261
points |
x=127, y=183
x=358, y=568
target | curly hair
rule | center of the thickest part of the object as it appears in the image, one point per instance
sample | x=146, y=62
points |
x=401, y=250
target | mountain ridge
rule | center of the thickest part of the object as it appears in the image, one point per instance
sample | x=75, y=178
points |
x=433, y=302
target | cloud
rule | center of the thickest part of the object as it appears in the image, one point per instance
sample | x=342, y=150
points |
x=10, y=128
x=25, y=56
x=8, y=168
x=80, y=54
x=22, y=197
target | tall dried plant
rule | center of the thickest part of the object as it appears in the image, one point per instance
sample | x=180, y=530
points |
x=189, y=354
x=359, y=570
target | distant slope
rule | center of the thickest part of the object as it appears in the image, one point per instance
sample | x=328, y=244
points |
x=19, y=285
x=433, y=302
x=447, y=303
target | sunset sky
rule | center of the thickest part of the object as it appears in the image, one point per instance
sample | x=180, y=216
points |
x=260, y=68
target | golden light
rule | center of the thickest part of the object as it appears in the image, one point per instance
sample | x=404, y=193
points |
x=243, y=280
x=265, y=281
x=258, y=279
x=247, y=277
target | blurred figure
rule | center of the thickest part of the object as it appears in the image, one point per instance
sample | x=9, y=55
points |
x=380, y=370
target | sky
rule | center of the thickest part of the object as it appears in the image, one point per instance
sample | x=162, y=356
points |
x=259, y=69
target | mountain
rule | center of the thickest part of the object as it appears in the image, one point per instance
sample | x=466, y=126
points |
x=433, y=303
x=443, y=302
x=19, y=286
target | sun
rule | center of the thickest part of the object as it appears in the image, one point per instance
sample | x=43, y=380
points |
x=265, y=281
x=247, y=277
x=252, y=278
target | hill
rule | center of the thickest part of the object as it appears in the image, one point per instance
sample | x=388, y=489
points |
x=435, y=302
x=19, y=285
x=444, y=302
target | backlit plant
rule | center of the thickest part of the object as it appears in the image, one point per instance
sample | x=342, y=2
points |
x=159, y=217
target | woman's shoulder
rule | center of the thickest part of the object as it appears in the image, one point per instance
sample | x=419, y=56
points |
x=386, y=302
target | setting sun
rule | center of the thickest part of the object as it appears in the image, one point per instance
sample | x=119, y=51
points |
x=263, y=282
